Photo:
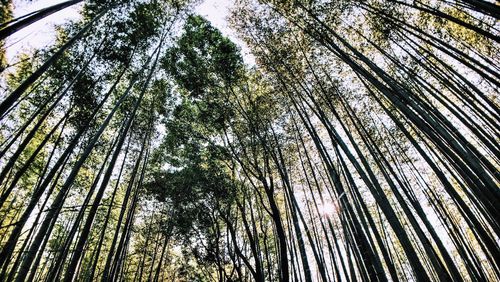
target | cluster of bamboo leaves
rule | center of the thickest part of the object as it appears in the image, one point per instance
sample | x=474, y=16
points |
x=362, y=145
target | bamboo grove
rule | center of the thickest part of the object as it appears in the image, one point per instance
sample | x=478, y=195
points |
x=361, y=146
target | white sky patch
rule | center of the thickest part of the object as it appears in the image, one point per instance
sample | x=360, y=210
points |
x=41, y=33
x=217, y=12
x=328, y=209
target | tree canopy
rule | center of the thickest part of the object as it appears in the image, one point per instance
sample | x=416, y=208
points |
x=362, y=145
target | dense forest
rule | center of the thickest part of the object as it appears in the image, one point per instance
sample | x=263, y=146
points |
x=362, y=145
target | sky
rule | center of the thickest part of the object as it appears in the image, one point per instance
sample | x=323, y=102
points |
x=217, y=11
x=42, y=32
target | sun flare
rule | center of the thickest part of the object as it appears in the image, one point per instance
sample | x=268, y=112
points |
x=328, y=208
